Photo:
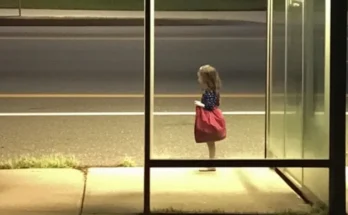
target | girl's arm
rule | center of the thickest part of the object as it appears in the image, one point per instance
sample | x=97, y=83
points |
x=200, y=104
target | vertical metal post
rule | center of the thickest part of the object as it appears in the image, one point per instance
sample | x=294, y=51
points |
x=286, y=54
x=335, y=69
x=20, y=7
x=308, y=28
x=149, y=88
x=268, y=81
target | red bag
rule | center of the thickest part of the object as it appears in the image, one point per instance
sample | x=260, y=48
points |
x=210, y=126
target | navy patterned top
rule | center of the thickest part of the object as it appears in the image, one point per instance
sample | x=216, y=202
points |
x=210, y=99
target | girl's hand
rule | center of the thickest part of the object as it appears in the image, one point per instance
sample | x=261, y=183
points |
x=198, y=103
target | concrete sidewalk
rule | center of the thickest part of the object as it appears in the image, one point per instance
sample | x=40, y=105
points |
x=120, y=190
x=249, y=16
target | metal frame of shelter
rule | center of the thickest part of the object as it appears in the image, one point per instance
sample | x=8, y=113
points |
x=337, y=112
x=336, y=37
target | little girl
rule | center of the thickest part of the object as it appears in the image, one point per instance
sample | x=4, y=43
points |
x=210, y=82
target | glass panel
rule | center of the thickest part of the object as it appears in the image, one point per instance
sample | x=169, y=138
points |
x=294, y=62
x=316, y=126
x=294, y=81
x=89, y=80
x=317, y=189
x=303, y=132
x=229, y=190
x=316, y=139
x=244, y=139
x=313, y=189
x=236, y=50
x=277, y=77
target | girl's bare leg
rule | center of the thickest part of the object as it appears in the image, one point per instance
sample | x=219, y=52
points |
x=212, y=151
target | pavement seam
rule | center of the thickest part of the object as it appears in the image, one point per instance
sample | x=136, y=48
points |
x=85, y=174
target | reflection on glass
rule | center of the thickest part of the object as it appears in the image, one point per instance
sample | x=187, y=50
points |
x=302, y=132
x=316, y=139
x=294, y=82
x=277, y=82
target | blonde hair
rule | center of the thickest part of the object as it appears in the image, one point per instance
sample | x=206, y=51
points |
x=210, y=78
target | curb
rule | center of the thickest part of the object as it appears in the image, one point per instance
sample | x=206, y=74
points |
x=68, y=21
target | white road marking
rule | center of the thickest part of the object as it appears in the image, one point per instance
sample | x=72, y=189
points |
x=127, y=38
x=126, y=96
x=240, y=113
x=124, y=113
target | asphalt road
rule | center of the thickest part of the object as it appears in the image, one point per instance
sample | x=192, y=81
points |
x=98, y=60
x=106, y=140
x=57, y=105
x=110, y=59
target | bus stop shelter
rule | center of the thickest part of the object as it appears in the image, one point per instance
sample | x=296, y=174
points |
x=305, y=100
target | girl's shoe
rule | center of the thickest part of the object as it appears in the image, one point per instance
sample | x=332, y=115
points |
x=208, y=169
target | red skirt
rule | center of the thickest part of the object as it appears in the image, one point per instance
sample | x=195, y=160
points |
x=210, y=126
